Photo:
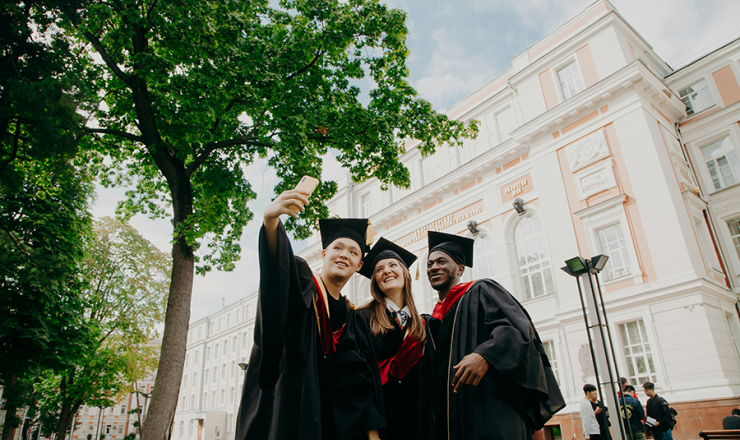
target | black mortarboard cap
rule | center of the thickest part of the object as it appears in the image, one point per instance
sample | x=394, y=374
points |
x=459, y=248
x=352, y=228
x=385, y=249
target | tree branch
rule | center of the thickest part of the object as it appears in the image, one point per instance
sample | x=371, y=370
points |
x=213, y=146
x=231, y=105
x=316, y=58
x=109, y=61
x=149, y=12
x=123, y=134
x=16, y=146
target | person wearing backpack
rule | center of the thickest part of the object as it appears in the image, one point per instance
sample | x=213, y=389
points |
x=658, y=409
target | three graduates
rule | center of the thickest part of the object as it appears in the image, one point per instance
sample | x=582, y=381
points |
x=322, y=370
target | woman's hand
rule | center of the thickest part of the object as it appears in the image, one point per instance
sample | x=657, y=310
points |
x=373, y=435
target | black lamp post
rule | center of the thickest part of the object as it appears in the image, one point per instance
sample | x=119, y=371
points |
x=583, y=269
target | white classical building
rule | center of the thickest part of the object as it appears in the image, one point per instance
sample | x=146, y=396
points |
x=589, y=144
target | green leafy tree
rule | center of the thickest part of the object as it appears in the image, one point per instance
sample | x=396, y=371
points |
x=195, y=90
x=42, y=224
x=43, y=202
x=127, y=280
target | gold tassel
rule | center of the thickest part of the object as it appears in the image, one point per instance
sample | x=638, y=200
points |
x=417, y=271
x=369, y=234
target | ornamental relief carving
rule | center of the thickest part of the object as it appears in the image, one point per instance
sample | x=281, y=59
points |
x=595, y=179
x=587, y=151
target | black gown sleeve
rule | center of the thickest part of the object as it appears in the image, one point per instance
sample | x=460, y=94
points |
x=514, y=351
x=357, y=391
x=285, y=283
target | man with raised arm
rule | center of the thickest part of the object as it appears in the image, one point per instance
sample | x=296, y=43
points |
x=312, y=372
x=491, y=378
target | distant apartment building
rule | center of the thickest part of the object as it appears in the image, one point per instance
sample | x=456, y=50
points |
x=589, y=144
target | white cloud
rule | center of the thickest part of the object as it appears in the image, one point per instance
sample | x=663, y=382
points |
x=453, y=71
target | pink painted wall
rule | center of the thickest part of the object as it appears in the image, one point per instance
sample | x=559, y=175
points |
x=727, y=85
x=588, y=68
x=548, y=89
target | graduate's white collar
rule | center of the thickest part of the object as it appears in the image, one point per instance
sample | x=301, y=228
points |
x=402, y=315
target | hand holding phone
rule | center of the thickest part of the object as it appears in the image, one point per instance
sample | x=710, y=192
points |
x=306, y=185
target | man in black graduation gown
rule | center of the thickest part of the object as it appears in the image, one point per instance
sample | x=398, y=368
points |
x=491, y=378
x=312, y=372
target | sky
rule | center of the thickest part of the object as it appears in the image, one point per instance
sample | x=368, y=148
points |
x=456, y=47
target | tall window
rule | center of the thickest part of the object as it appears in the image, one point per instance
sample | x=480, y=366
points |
x=213, y=398
x=205, y=376
x=182, y=429
x=734, y=225
x=637, y=354
x=224, y=346
x=215, y=373
x=571, y=81
x=233, y=343
x=195, y=379
x=192, y=401
x=466, y=152
x=427, y=170
x=614, y=245
x=549, y=347
x=722, y=163
x=223, y=371
x=533, y=257
x=697, y=97
x=396, y=193
x=238, y=315
x=231, y=395
x=228, y=320
x=215, y=350
x=367, y=208
x=205, y=400
x=232, y=370
x=485, y=260
x=506, y=123
x=223, y=395
x=190, y=428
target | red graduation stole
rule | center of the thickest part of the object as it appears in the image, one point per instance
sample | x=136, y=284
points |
x=406, y=357
x=442, y=307
x=328, y=338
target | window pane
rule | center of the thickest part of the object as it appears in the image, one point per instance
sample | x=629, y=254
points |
x=638, y=358
x=532, y=254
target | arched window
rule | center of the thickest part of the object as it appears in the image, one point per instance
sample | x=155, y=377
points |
x=533, y=258
x=484, y=265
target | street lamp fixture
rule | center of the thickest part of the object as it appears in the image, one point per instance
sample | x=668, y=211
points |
x=600, y=343
x=576, y=266
x=598, y=263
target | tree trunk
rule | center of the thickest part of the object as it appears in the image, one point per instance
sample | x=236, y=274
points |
x=64, y=415
x=11, y=418
x=176, y=322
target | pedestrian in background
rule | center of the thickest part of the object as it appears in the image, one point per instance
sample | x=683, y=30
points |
x=659, y=414
x=591, y=427
x=633, y=414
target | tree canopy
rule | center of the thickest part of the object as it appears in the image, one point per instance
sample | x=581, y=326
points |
x=180, y=96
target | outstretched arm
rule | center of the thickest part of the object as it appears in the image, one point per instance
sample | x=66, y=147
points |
x=283, y=204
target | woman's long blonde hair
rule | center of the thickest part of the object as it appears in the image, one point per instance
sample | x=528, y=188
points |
x=380, y=323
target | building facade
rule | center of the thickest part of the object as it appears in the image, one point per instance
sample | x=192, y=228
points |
x=589, y=144
x=119, y=421
x=213, y=378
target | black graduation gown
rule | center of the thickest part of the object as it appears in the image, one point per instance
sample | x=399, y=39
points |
x=404, y=398
x=518, y=395
x=291, y=389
